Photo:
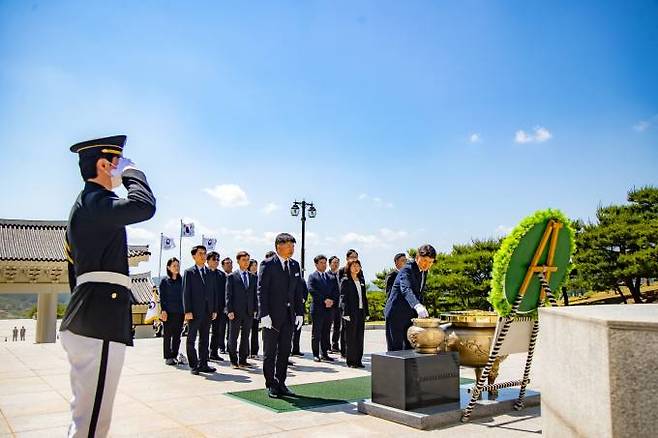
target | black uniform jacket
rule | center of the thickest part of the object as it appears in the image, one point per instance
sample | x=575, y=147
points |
x=280, y=296
x=199, y=296
x=96, y=241
x=349, y=299
x=321, y=290
x=241, y=300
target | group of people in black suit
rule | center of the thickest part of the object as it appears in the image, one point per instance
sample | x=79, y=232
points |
x=274, y=299
x=210, y=300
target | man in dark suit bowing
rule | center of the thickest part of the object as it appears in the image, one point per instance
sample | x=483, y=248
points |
x=200, y=307
x=281, y=310
x=324, y=290
x=240, y=296
x=405, y=301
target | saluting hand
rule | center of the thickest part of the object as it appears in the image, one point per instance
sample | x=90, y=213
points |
x=189, y=316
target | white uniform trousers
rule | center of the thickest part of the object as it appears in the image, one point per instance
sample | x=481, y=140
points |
x=95, y=369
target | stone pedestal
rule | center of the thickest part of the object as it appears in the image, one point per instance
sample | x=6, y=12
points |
x=596, y=367
x=408, y=380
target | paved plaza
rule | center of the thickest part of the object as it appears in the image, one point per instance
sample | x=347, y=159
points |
x=159, y=400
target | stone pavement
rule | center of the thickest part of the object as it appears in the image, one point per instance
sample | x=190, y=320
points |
x=156, y=399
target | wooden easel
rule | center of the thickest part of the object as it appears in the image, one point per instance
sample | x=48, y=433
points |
x=504, y=324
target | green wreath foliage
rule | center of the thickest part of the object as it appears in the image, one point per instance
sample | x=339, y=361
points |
x=502, y=258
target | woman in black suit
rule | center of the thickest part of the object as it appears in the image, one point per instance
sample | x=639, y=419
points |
x=354, y=306
x=172, y=314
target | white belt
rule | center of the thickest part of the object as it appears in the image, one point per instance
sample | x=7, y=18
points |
x=104, y=277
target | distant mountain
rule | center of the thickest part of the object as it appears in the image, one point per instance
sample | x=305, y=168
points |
x=14, y=306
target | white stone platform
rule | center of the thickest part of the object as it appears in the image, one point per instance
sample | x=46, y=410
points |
x=158, y=400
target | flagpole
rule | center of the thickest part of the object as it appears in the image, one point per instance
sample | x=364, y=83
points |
x=160, y=264
x=180, y=243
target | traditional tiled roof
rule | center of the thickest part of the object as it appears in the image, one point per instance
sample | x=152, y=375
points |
x=33, y=240
x=142, y=288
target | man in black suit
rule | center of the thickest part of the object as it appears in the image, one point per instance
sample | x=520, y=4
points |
x=240, y=296
x=280, y=308
x=218, y=325
x=200, y=307
x=399, y=260
x=405, y=300
x=334, y=267
x=324, y=291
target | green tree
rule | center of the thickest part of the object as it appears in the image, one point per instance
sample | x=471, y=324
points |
x=621, y=248
x=461, y=279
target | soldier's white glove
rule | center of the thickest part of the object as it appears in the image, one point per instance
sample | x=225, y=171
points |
x=266, y=322
x=347, y=318
x=421, y=311
x=299, y=321
x=123, y=165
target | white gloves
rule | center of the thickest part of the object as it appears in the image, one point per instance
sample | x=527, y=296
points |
x=347, y=318
x=421, y=310
x=124, y=164
x=299, y=321
x=266, y=322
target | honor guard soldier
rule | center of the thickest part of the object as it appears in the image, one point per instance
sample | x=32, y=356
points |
x=97, y=325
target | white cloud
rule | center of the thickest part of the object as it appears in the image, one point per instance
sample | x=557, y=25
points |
x=643, y=125
x=503, y=229
x=475, y=138
x=270, y=208
x=248, y=235
x=540, y=135
x=382, y=238
x=228, y=195
x=139, y=234
x=376, y=200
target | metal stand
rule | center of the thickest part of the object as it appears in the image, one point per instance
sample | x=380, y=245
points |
x=480, y=386
x=543, y=272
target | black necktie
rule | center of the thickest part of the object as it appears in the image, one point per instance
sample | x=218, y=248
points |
x=202, y=276
x=285, y=268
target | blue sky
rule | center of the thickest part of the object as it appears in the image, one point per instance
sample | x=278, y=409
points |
x=405, y=122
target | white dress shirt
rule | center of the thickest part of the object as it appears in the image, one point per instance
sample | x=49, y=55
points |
x=357, y=283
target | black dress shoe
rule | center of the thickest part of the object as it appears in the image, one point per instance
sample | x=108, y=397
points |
x=207, y=369
x=326, y=358
x=335, y=349
x=170, y=361
x=317, y=359
x=297, y=353
x=195, y=371
x=222, y=350
x=216, y=357
x=235, y=366
x=360, y=365
x=291, y=363
x=245, y=364
x=283, y=390
x=272, y=392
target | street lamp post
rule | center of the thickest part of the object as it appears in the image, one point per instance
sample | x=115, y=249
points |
x=312, y=212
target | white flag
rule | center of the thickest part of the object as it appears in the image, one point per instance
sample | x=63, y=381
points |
x=187, y=230
x=168, y=242
x=208, y=242
x=153, y=312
